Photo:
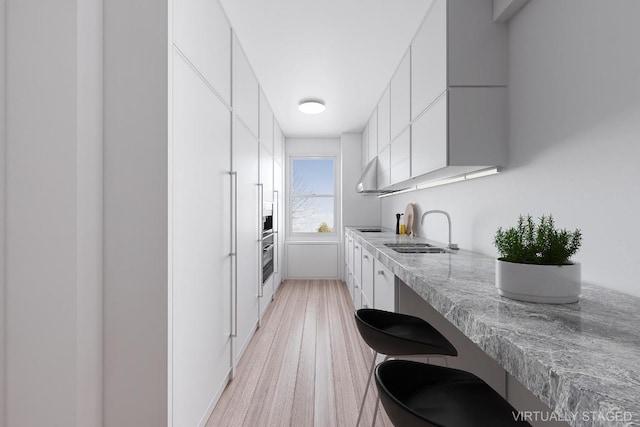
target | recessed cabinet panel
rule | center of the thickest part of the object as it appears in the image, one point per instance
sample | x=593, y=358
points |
x=429, y=59
x=245, y=90
x=401, y=96
x=429, y=139
x=203, y=35
x=384, y=119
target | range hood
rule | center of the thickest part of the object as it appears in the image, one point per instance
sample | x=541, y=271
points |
x=368, y=182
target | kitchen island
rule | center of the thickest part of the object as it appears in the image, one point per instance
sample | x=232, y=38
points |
x=582, y=360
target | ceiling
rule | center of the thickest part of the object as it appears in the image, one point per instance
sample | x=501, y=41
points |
x=343, y=52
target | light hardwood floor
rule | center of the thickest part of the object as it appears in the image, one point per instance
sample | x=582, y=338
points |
x=306, y=365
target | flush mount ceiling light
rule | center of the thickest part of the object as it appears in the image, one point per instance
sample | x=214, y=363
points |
x=311, y=106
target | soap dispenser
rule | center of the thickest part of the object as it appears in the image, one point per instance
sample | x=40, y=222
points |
x=398, y=215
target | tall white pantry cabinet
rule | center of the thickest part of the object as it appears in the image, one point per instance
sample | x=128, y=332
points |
x=222, y=173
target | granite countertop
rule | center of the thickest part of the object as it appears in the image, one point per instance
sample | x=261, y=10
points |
x=581, y=359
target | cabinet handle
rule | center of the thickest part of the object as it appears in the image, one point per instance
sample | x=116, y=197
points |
x=234, y=252
x=260, y=204
x=381, y=272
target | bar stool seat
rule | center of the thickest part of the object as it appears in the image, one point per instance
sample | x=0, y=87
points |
x=419, y=394
x=396, y=334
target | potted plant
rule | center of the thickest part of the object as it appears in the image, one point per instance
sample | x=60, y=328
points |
x=535, y=263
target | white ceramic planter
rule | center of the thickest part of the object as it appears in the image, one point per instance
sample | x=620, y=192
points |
x=551, y=284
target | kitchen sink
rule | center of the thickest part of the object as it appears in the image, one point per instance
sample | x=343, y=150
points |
x=369, y=230
x=415, y=248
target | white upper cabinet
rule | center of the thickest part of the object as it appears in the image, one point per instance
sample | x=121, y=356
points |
x=429, y=59
x=384, y=119
x=465, y=129
x=401, y=96
x=458, y=44
x=372, y=146
x=245, y=90
x=401, y=157
x=364, y=147
x=384, y=167
x=266, y=123
x=278, y=142
x=266, y=173
x=203, y=35
x=429, y=139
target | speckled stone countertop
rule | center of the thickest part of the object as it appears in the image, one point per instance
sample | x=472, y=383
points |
x=582, y=359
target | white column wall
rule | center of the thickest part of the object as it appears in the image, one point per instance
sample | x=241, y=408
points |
x=52, y=206
x=2, y=210
x=136, y=198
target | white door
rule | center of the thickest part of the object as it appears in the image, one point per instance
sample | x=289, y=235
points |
x=249, y=216
x=201, y=246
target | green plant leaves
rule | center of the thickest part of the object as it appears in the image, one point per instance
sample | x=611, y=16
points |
x=537, y=244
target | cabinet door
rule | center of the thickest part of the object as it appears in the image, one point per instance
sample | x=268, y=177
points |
x=245, y=90
x=249, y=213
x=364, y=147
x=383, y=287
x=429, y=59
x=203, y=35
x=384, y=167
x=429, y=139
x=357, y=262
x=266, y=174
x=401, y=96
x=384, y=119
x=400, y=157
x=266, y=123
x=278, y=218
x=372, y=148
x=278, y=142
x=201, y=227
x=367, y=276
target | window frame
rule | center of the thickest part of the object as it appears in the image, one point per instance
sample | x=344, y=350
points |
x=290, y=196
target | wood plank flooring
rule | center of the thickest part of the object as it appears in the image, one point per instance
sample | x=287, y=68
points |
x=306, y=365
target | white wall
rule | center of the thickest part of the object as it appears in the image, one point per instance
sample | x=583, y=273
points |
x=53, y=203
x=136, y=277
x=574, y=95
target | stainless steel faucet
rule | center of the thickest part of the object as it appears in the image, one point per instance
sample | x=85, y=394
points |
x=451, y=245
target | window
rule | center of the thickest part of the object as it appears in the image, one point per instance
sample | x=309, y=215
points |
x=312, y=195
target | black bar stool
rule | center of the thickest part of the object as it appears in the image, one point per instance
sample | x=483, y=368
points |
x=396, y=334
x=423, y=395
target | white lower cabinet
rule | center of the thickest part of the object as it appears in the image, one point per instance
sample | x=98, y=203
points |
x=367, y=278
x=384, y=297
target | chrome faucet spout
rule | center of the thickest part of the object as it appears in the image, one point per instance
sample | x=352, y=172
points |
x=451, y=245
